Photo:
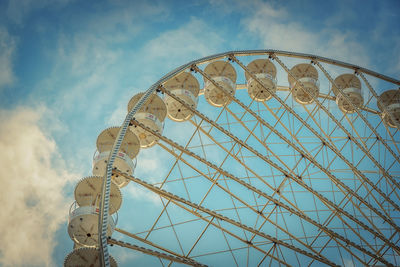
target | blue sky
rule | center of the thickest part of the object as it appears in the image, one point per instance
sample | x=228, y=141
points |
x=68, y=69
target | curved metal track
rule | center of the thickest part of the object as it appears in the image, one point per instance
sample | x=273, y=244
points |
x=348, y=215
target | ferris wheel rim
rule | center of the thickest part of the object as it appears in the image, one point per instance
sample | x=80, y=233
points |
x=270, y=52
x=155, y=87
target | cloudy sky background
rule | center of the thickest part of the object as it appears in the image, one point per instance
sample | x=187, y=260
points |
x=69, y=67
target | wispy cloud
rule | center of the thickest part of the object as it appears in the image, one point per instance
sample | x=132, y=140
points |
x=123, y=256
x=17, y=11
x=277, y=30
x=7, y=50
x=95, y=65
x=33, y=177
x=91, y=73
x=386, y=40
x=139, y=193
x=190, y=41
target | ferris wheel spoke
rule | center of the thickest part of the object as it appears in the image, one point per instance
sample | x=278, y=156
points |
x=304, y=123
x=393, y=137
x=156, y=221
x=338, y=151
x=227, y=243
x=213, y=125
x=278, y=189
x=177, y=200
x=150, y=243
x=223, y=229
x=200, y=236
x=295, y=138
x=363, y=261
x=292, y=174
x=337, y=181
x=154, y=253
x=343, y=158
x=177, y=158
x=241, y=162
x=359, y=113
x=260, y=213
x=271, y=250
x=351, y=228
x=330, y=232
x=324, y=199
x=215, y=177
x=387, y=249
x=180, y=155
x=337, y=123
x=367, y=153
x=394, y=189
x=373, y=92
x=377, y=232
x=387, y=140
x=173, y=228
x=315, y=239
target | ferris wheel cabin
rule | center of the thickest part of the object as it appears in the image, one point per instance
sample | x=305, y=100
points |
x=224, y=75
x=263, y=70
x=151, y=115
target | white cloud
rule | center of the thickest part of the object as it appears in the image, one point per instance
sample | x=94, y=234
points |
x=92, y=72
x=140, y=193
x=117, y=117
x=276, y=30
x=166, y=52
x=84, y=54
x=191, y=41
x=118, y=24
x=386, y=41
x=93, y=62
x=123, y=255
x=33, y=177
x=94, y=47
x=90, y=75
x=18, y=10
x=231, y=6
x=7, y=49
x=348, y=263
x=397, y=58
x=148, y=163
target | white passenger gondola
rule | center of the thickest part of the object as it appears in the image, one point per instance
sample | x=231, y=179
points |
x=389, y=104
x=186, y=87
x=129, y=149
x=84, y=212
x=152, y=115
x=351, y=87
x=88, y=191
x=83, y=225
x=265, y=72
x=304, y=84
x=224, y=75
x=85, y=257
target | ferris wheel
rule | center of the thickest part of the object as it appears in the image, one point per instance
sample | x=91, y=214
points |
x=259, y=158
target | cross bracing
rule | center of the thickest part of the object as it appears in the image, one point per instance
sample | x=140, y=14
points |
x=275, y=182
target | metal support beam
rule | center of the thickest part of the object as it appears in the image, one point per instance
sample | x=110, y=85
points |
x=259, y=155
x=195, y=206
x=261, y=193
x=155, y=253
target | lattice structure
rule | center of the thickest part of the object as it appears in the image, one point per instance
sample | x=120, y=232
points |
x=287, y=159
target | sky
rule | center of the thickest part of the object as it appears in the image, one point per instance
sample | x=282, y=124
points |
x=68, y=69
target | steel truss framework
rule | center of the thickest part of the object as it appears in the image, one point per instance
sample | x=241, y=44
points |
x=268, y=183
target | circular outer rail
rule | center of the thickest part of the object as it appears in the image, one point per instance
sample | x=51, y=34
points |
x=274, y=55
